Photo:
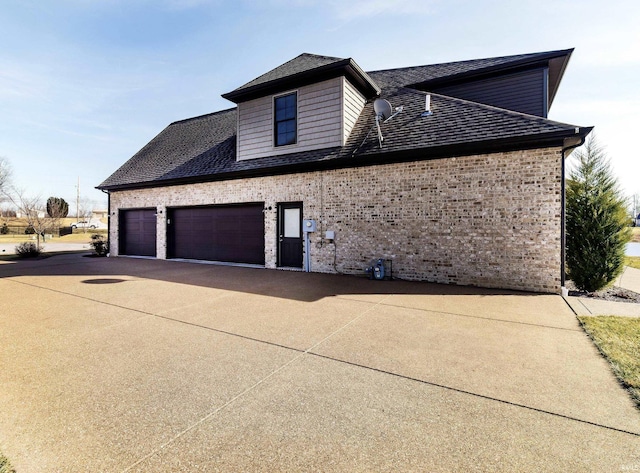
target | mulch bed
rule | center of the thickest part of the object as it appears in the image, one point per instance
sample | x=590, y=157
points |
x=613, y=293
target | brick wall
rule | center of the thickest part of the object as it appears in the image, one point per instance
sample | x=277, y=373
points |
x=488, y=220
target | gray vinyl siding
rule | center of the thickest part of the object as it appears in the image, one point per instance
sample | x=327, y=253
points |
x=524, y=92
x=354, y=102
x=319, y=123
x=255, y=127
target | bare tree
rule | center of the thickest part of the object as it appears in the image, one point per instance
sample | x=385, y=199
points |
x=5, y=175
x=84, y=211
x=34, y=211
x=7, y=214
x=634, y=202
x=5, y=180
x=5, y=207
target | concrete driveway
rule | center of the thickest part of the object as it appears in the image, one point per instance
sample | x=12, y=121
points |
x=134, y=365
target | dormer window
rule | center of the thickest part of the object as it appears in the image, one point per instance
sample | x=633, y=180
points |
x=285, y=119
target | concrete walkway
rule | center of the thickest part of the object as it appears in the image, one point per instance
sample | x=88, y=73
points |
x=629, y=279
x=134, y=365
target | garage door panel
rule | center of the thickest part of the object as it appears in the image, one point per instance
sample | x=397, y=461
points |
x=138, y=232
x=229, y=233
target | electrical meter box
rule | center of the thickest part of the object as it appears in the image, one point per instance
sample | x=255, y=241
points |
x=308, y=226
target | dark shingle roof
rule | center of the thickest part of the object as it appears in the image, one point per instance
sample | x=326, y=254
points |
x=304, y=62
x=303, y=70
x=204, y=148
x=454, y=124
x=176, y=146
x=422, y=76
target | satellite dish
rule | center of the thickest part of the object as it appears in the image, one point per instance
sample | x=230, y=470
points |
x=382, y=108
x=384, y=112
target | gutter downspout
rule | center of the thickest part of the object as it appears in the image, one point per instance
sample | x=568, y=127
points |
x=108, y=220
x=563, y=237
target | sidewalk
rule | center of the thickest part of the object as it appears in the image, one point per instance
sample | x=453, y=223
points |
x=629, y=279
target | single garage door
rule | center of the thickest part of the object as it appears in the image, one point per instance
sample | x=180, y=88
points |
x=137, y=231
x=233, y=233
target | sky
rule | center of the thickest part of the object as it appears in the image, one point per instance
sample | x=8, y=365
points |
x=84, y=84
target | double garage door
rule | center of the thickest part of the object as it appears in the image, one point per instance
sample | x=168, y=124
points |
x=230, y=233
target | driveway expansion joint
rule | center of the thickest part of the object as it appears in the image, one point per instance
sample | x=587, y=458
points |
x=251, y=388
x=481, y=396
x=309, y=351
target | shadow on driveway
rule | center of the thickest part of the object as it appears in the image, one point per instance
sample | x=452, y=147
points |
x=294, y=285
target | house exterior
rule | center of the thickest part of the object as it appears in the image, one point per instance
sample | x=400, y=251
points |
x=460, y=181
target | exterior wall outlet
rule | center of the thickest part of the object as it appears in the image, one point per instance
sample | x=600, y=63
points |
x=330, y=235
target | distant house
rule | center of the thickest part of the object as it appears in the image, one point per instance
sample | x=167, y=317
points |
x=459, y=181
x=99, y=213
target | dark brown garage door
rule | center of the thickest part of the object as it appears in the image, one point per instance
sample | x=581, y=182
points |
x=232, y=233
x=137, y=232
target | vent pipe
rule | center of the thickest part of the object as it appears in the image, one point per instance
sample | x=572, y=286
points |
x=427, y=106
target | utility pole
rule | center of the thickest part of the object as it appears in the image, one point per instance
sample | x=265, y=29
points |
x=78, y=201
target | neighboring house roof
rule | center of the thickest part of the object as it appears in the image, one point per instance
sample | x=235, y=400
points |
x=204, y=148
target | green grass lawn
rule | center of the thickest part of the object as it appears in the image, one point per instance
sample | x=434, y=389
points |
x=618, y=339
x=632, y=261
x=79, y=237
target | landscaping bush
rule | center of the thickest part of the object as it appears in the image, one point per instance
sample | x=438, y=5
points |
x=27, y=249
x=29, y=230
x=4, y=229
x=597, y=221
x=100, y=244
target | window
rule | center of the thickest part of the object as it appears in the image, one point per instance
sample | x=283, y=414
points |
x=285, y=119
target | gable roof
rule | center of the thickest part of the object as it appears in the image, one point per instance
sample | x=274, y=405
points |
x=204, y=148
x=302, y=63
x=303, y=70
